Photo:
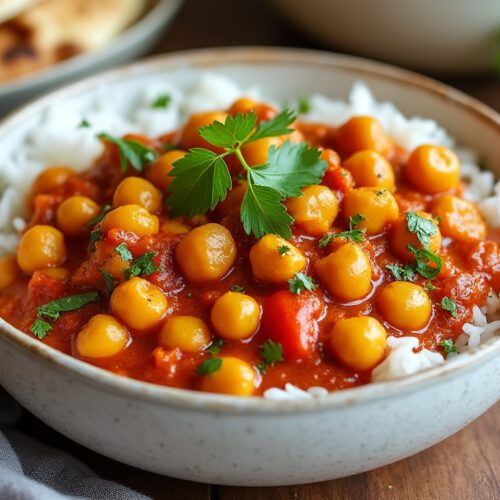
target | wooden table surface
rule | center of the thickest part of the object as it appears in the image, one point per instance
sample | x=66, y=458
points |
x=465, y=466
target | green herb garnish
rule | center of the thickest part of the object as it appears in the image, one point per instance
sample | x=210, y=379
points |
x=54, y=309
x=216, y=346
x=262, y=368
x=449, y=347
x=304, y=106
x=424, y=257
x=429, y=286
x=449, y=305
x=301, y=282
x=84, y=124
x=202, y=178
x=422, y=227
x=238, y=288
x=98, y=218
x=271, y=352
x=142, y=266
x=124, y=252
x=161, y=102
x=131, y=152
x=110, y=281
x=402, y=273
x=355, y=235
x=210, y=365
x=283, y=249
x=95, y=236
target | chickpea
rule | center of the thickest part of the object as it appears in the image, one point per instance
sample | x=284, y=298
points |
x=315, y=211
x=271, y=265
x=56, y=273
x=346, y=272
x=255, y=153
x=133, y=218
x=206, y=253
x=405, y=305
x=459, y=219
x=190, y=137
x=187, y=333
x=9, y=271
x=173, y=226
x=158, y=172
x=52, y=178
x=400, y=238
x=112, y=263
x=359, y=342
x=101, y=337
x=233, y=200
x=138, y=303
x=370, y=169
x=243, y=105
x=137, y=191
x=40, y=247
x=363, y=132
x=73, y=213
x=433, y=169
x=235, y=377
x=378, y=206
x=235, y=316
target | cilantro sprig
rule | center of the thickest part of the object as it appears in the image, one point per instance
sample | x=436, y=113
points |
x=402, y=273
x=131, y=152
x=52, y=310
x=355, y=235
x=449, y=347
x=271, y=352
x=202, y=178
x=423, y=260
x=301, y=282
x=142, y=266
x=422, y=227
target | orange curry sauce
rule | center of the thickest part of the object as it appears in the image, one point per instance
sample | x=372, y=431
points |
x=470, y=270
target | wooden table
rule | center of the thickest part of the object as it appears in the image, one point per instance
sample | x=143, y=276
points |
x=465, y=466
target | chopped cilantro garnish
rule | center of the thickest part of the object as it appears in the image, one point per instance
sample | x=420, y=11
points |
x=449, y=305
x=98, y=218
x=84, y=124
x=238, y=288
x=95, y=236
x=422, y=227
x=40, y=328
x=402, y=273
x=283, y=249
x=124, y=252
x=110, y=281
x=216, y=346
x=424, y=258
x=304, y=106
x=429, y=286
x=262, y=368
x=131, y=152
x=142, y=266
x=210, y=365
x=301, y=282
x=161, y=102
x=355, y=220
x=271, y=352
x=356, y=235
x=449, y=347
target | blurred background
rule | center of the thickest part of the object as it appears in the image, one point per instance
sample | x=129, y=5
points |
x=45, y=43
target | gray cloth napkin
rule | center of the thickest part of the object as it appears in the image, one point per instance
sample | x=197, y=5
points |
x=30, y=470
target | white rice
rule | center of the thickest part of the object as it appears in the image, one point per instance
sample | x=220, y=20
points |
x=59, y=141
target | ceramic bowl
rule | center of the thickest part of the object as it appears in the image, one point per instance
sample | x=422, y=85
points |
x=438, y=36
x=134, y=41
x=252, y=441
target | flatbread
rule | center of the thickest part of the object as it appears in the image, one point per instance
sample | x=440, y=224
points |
x=12, y=8
x=54, y=30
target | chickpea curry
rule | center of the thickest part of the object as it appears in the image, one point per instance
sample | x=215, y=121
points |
x=249, y=249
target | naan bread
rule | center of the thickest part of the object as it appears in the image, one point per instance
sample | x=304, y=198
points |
x=11, y=8
x=54, y=30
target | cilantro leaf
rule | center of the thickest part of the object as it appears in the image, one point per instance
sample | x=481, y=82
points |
x=275, y=126
x=355, y=235
x=131, y=152
x=271, y=352
x=142, y=266
x=216, y=346
x=54, y=308
x=210, y=365
x=201, y=180
x=110, y=281
x=304, y=106
x=233, y=131
x=161, y=102
x=283, y=249
x=124, y=252
x=238, y=288
x=429, y=286
x=84, y=124
x=95, y=236
x=449, y=305
x=422, y=227
x=98, y=218
x=449, y=347
x=402, y=273
x=40, y=328
x=355, y=220
x=263, y=212
x=301, y=282
x=289, y=168
x=424, y=258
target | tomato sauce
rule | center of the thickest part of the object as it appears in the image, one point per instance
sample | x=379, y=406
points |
x=470, y=270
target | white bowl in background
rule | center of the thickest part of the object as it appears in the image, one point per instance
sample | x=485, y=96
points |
x=446, y=37
x=136, y=40
x=253, y=441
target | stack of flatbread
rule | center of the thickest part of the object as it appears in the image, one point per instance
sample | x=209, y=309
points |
x=35, y=34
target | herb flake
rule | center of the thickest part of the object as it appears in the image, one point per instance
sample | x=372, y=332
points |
x=449, y=305
x=209, y=366
x=271, y=352
x=301, y=282
x=142, y=266
x=131, y=152
x=422, y=227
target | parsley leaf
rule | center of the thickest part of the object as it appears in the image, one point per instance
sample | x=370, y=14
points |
x=131, y=152
x=449, y=305
x=289, y=168
x=304, y=106
x=201, y=180
x=238, y=288
x=84, y=124
x=424, y=257
x=355, y=220
x=356, y=235
x=110, y=281
x=161, y=102
x=142, y=266
x=283, y=249
x=216, y=346
x=429, y=286
x=98, y=218
x=233, y=131
x=422, y=227
x=275, y=126
x=40, y=328
x=271, y=352
x=210, y=365
x=449, y=347
x=301, y=282
x=402, y=273
x=263, y=212
x=124, y=252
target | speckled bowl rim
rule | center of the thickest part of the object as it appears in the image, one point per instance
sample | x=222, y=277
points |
x=197, y=401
